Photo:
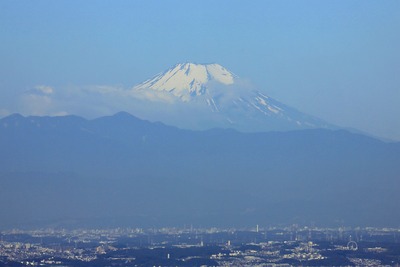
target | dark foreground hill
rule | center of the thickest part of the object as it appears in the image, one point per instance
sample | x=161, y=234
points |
x=122, y=171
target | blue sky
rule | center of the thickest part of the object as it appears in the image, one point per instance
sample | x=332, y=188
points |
x=338, y=60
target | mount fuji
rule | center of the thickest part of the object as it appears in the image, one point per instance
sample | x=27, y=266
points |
x=203, y=96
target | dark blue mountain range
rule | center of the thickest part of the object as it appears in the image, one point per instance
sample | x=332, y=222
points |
x=123, y=171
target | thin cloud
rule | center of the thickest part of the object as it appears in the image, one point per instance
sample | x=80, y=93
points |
x=100, y=100
x=45, y=89
x=4, y=112
x=35, y=104
x=40, y=90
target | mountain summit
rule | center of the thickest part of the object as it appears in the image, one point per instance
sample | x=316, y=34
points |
x=188, y=79
x=215, y=97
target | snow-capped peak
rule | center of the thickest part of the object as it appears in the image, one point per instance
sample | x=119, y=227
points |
x=208, y=95
x=188, y=79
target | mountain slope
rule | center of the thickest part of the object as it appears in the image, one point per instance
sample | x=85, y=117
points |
x=212, y=96
x=123, y=171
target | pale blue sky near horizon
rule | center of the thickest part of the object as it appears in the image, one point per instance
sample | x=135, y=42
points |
x=338, y=60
